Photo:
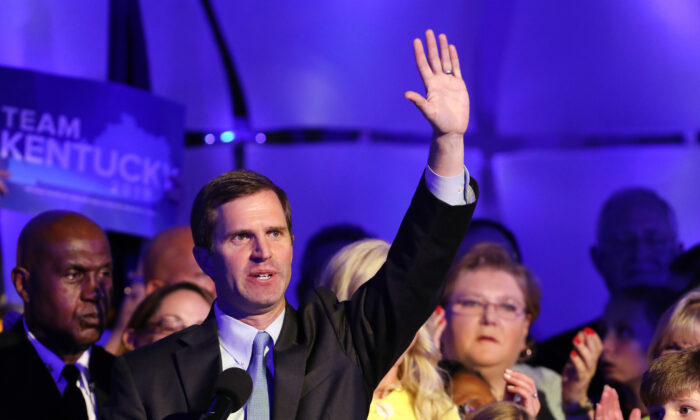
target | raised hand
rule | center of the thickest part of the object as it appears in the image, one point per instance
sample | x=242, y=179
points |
x=446, y=103
x=579, y=369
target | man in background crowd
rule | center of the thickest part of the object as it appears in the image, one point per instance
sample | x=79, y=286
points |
x=49, y=363
x=636, y=242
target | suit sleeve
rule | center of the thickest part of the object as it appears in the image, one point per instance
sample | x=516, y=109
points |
x=386, y=312
x=123, y=402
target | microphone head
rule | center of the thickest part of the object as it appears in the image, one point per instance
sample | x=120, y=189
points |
x=235, y=384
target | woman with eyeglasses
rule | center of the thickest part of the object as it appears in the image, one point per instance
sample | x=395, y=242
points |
x=490, y=303
x=167, y=310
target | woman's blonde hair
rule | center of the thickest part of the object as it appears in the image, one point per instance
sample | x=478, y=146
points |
x=418, y=373
x=683, y=318
x=353, y=265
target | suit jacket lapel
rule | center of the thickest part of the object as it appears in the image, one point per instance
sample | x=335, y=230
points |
x=290, y=362
x=199, y=364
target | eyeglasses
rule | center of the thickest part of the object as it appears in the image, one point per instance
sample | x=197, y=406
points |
x=477, y=307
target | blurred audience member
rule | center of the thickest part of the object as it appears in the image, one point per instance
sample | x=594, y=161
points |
x=490, y=303
x=468, y=388
x=167, y=310
x=320, y=248
x=166, y=260
x=636, y=241
x=671, y=387
x=678, y=328
x=169, y=260
x=484, y=230
x=10, y=313
x=628, y=323
x=503, y=410
x=50, y=365
x=413, y=388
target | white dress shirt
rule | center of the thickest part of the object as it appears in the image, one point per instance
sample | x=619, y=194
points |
x=236, y=345
x=55, y=366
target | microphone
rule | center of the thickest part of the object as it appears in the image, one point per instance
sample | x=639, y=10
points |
x=232, y=390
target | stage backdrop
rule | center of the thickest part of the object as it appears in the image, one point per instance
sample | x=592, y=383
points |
x=108, y=151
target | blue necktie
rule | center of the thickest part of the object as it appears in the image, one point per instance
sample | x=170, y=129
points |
x=259, y=403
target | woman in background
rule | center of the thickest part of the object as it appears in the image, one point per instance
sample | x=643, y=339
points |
x=167, y=310
x=413, y=388
x=628, y=322
x=490, y=302
x=679, y=327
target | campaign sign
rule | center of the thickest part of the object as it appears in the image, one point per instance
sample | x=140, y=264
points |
x=108, y=151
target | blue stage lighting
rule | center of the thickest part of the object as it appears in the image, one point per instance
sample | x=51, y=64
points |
x=228, y=136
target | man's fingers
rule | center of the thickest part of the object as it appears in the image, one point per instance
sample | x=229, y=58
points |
x=455, y=61
x=445, y=54
x=419, y=101
x=421, y=61
x=433, y=57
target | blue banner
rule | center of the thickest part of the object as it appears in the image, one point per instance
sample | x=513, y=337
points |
x=105, y=150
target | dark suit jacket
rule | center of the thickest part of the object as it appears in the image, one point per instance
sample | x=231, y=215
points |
x=27, y=390
x=330, y=355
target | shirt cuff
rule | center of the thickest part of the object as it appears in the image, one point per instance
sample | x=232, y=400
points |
x=454, y=190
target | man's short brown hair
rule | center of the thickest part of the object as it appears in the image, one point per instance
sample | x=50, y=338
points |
x=224, y=188
x=673, y=375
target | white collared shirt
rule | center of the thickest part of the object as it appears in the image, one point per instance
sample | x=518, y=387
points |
x=454, y=190
x=55, y=366
x=236, y=345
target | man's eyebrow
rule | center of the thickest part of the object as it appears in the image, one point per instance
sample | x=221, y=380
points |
x=239, y=232
x=276, y=228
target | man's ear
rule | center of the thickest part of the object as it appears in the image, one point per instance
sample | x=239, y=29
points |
x=203, y=258
x=153, y=285
x=20, y=278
